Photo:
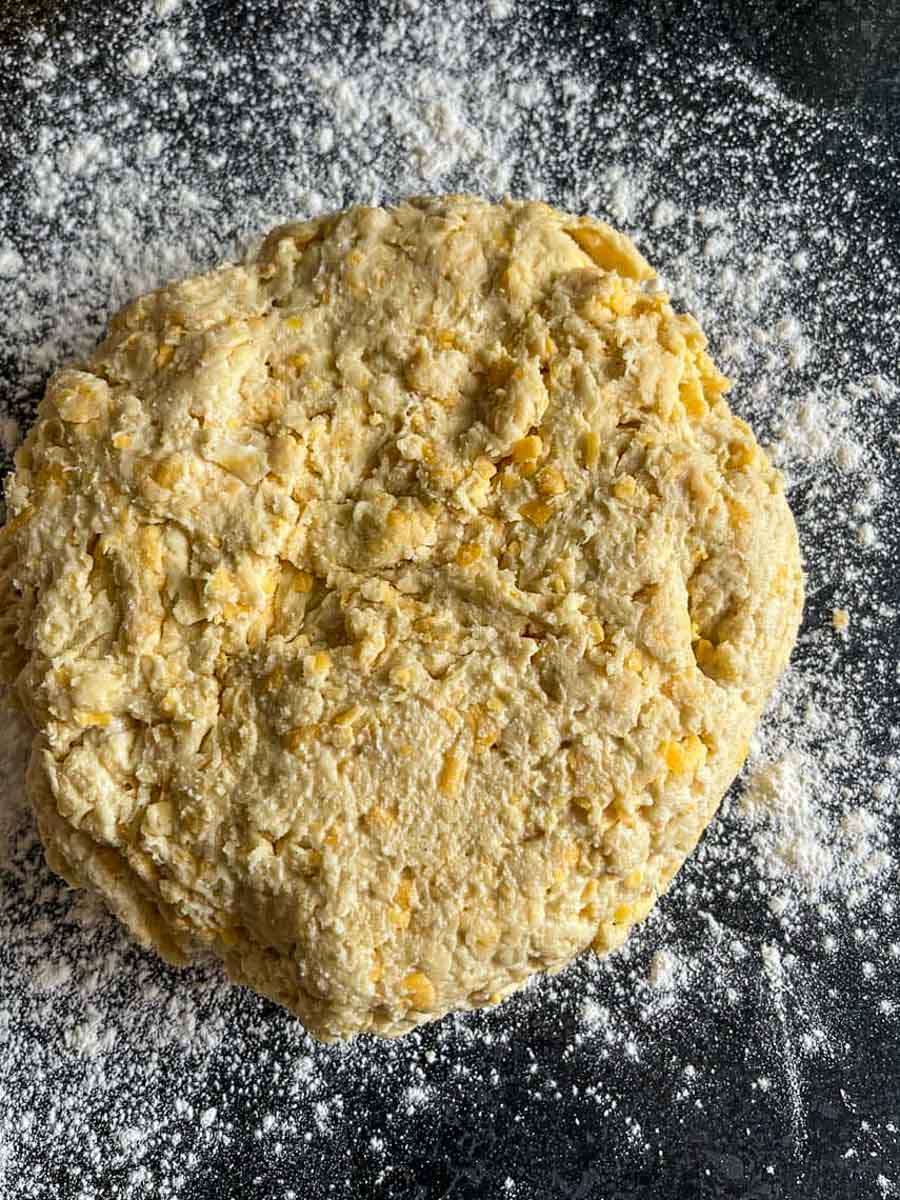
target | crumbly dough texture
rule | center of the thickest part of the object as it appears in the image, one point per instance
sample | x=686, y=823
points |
x=393, y=610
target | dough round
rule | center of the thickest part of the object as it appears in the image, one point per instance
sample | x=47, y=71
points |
x=393, y=610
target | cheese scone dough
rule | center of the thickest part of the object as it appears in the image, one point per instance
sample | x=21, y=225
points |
x=392, y=611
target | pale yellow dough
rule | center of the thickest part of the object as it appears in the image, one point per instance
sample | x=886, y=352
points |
x=392, y=611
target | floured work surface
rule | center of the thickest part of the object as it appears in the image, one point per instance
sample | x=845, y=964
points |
x=760, y=995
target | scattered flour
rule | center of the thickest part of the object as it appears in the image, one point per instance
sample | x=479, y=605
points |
x=142, y=150
x=138, y=62
x=664, y=969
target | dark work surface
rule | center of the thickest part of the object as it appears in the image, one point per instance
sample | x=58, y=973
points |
x=843, y=58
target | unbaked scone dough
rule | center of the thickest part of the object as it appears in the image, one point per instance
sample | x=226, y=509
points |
x=392, y=611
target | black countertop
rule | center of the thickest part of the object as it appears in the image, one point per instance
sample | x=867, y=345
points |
x=715, y=1097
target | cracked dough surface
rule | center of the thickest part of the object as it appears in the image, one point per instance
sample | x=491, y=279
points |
x=393, y=610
